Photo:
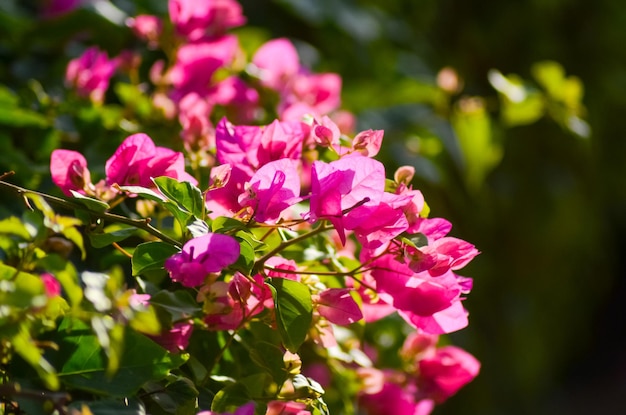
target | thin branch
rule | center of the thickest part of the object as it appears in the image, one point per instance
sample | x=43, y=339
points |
x=110, y=217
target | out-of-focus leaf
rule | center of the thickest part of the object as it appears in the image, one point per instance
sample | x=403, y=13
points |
x=84, y=365
x=294, y=309
x=24, y=345
x=180, y=304
x=14, y=226
x=125, y=406
x=20, y=289
x=480, y=150
x=151, y=255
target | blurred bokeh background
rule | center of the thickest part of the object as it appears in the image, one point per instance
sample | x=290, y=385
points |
x=511, y=113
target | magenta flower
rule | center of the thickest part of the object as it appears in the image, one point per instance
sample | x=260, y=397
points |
x=395, y=399
x=286, y=408
x=272, y=189
x=137, y=160
x=69, y=171
x=196, y=18
x=90, y=73
x=175, y=339
x=338, y=306
x=56, y=8
x=278, y=62
x=431, y=304
x=447, y=371
x=321, y=92
x=343, y=191
x=368, y=142
x=240, y=100
x=202, y=256
x=196, y=63
x=146, y=27
x=51, y=285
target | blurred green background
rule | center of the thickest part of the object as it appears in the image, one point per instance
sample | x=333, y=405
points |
x=546, y=207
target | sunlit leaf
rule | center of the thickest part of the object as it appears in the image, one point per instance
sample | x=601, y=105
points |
x=294, y=309
x=183, y=193
x=110, y=235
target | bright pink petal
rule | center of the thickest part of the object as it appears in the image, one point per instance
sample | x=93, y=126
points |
x=338, y=306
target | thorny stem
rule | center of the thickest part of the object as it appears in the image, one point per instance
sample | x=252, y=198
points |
x=112, y=217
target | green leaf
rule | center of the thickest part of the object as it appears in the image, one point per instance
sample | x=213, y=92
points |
x=294, y=310
x=223, y=224
x=126, y=406
x=20, y=117
x=151, y=256
x=113, y=233
x=233, y=396
x=245, y=262
x=84, y=365
x=178, y=397
x=269, y=357
x=90, y=203
x=180, y=304
x=183, y=193
x=76, y=237
x=20, y=289
x=143, y=192
x=14, y=226
x=24, y=345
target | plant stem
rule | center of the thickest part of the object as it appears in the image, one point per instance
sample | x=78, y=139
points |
x=284, y=245
x=110, y=217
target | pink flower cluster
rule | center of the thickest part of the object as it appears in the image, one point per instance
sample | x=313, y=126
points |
x=135, y=163
x=437, y=373
x=273, y=176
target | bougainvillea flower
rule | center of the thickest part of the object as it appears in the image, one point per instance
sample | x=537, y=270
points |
x=196, y=63
x=441, y=255
x=201, y=256
x=338, y=306
x=228, y=307
x=146, y=27
x=447, y=371
x=385, y=221
x=193, y=115
x=272, y=189
x=196, y=18
x=240, y=100
x=368, y=142
x=320, y=91
x=395, y=399
x=238, y=146
x=51, y=285
x=277, y=61
x=342, y=191
x=177, y=338
x=69, y=171
x=137, y=160
x=90, y=73
x=286, y=408
x=325, y=133
x=280, y=140
x=431, y=304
